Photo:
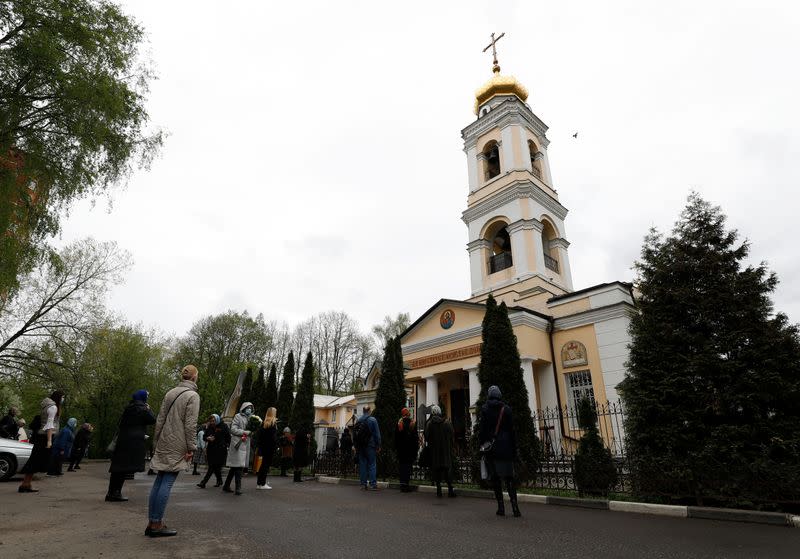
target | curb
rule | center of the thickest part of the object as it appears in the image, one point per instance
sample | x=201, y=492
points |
x=675, y=511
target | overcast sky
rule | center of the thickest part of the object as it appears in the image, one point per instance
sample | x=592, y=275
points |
x=315, y=161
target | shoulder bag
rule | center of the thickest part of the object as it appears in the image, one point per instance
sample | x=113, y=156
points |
x=486, y=448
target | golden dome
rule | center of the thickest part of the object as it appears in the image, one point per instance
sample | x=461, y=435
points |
x=499, y=85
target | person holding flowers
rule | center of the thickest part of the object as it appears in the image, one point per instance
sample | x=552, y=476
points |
x=237, y=451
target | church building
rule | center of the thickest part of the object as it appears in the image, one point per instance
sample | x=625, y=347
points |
x=573, y=343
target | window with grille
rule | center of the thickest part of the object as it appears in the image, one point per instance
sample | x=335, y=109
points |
x=579, y=386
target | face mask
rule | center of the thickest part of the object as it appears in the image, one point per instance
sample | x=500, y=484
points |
x=248, y=412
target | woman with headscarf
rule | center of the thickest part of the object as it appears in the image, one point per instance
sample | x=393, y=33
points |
x=497, y=428
x=406, y=442
x=199, y=456
x=237, y=451
x=267, y=440
x=129, y=452
x=62, y=447
x=439, y=438
x=43, y=427
x=217, y=438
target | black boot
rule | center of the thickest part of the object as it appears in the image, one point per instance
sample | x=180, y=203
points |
x=438, y=490
x=498, y=495
x=512, y=494
x=116, y=497
x=238, y=487
x=451, y=492
x=298, y=476
x=227, y=487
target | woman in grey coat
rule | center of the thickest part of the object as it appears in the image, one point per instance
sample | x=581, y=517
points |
x=237, y=451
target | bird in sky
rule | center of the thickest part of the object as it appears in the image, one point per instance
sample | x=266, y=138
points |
x=575, y=135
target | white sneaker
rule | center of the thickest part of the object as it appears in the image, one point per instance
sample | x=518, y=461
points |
x=266, y=486
x=260, y=487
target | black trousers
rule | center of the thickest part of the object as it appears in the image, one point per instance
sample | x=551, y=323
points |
x=75, y=459
x=56, y=462
x=262, y=473
x=440, y=474
x=234, y=473
x=404, y=471
x=216, y=470
x=116, y=482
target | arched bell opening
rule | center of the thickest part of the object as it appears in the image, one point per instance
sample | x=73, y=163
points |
x=549, y=234
x=491, y=160
x=536, y=158
x=499, y=246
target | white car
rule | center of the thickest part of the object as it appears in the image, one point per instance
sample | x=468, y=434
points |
x=13, y=456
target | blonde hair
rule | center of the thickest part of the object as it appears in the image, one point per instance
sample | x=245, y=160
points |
x=189, y=372
x=271, y=418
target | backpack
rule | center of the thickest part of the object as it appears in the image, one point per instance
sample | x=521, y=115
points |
x=362, y=435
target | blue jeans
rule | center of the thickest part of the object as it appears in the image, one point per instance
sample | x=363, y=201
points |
x=159, y=495
x=367, y=467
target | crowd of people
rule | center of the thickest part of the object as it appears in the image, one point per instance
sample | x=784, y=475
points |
x=179, y=445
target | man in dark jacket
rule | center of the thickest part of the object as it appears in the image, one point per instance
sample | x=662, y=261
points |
x=79, y=447
x=128, y=455
x=497, y=426
x=439, y=438
x=217, y=437
x=406, y=442
x=368, y=449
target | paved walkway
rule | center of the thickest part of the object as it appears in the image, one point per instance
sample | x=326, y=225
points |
x=69, y=518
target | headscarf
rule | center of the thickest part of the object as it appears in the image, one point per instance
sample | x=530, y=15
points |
x=287, y=430
x=494, y=393
x=72, y=422
x=436, y=410
x=404, y=413
x=217, y=418
x=141, y=395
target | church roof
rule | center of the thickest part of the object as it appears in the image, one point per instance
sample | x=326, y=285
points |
x=499, y=85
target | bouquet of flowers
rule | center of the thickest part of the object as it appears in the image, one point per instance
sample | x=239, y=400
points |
x=253, y=423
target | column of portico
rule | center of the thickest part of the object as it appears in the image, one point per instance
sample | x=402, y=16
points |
x=431, y=391
x=519, y=232
x=530, y=385
x=474, y=391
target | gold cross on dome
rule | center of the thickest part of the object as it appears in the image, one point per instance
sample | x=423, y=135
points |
x=492, y=45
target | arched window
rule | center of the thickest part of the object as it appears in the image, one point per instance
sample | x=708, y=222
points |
x=550, y=257
x=491, y=160
x=500, y=247
x=536, y=159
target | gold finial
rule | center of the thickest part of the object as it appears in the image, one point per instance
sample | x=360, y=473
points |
x=495, y=65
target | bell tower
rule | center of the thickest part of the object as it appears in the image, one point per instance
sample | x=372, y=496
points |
x=517, y=241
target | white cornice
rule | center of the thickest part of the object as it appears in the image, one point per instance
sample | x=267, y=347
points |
x=585, y=294
x=522, y=224
x=617, y=310
x=518, y=190
x=559, y=243
x=478, y=244
x=501, y=115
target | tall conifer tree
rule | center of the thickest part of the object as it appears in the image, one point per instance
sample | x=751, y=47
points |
x=259, y=393
x=500, y=365
x=302, y=417
x=247, y=388
x=286, y=393
x=271, y=389
x=712, y=390
x=390, y=397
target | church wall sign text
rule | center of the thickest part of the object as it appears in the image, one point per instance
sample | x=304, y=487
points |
x=445, y=356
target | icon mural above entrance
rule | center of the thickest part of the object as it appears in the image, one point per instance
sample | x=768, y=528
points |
x=447, y=319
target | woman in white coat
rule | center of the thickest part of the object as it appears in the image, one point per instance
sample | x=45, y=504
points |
x=237, y=451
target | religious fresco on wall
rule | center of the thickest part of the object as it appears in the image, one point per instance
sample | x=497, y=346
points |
x=573, y=354
x=447, y=319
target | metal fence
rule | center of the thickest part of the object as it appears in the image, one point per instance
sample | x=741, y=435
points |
x=559, y=436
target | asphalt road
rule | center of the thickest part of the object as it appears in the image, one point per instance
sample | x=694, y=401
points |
x=69, y=518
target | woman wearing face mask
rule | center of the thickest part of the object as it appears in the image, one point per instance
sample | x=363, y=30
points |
x=237, y=451
x=62, y=447
x=43, y=427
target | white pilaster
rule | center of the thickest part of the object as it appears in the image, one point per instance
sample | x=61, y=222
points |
x=478, y=257
x=538, y=250
x=525, y=150
x=474, y=392
x=564, y=270
x=548, y=178
x=530, y=384
x=431, y=391
x=507, y=163
x=472, y=168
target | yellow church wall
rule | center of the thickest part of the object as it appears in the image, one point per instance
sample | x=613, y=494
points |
x=465, y=318
x=569, y=308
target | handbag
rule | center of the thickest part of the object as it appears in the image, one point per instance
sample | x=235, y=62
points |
x=112, y=446
x=486, y=448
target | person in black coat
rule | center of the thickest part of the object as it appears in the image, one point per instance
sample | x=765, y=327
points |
x=267, y=442
x=440, y=440
x=217, y=437
x=406, y=440
x=128, y=456
x=302, y=440
x=500, y=461
x=79, y=447
x=346, y=450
